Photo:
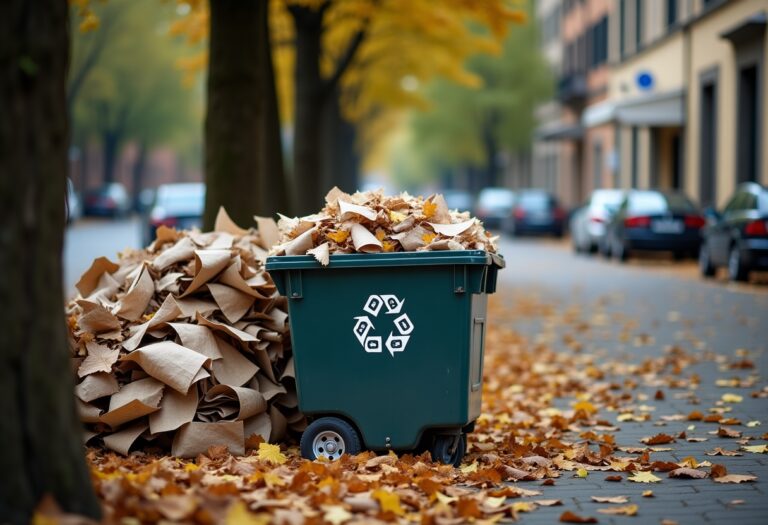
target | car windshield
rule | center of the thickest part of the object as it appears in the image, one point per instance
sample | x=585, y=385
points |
x=654, y=202
x=535, y=201
x=606, y=200
x=496, y=198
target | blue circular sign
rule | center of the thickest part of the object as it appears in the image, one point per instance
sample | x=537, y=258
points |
x=644, y=80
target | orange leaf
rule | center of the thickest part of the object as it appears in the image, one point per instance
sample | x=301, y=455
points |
x=338, y=236
x=429, y=209
x=570, y=517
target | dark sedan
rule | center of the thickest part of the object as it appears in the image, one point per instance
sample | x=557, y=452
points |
x=536, y=212
x=657, y=221
x=737, y=238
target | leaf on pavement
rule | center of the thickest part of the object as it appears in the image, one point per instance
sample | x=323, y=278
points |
x=717, y=451
x=735, y=478
x=688, y=473
x=658, y=439
x=627, y=510
x=727, y=432
x=644, y=477
x=755, y=449
x=389, y=501
x=731, y=398
x=610, y=499
x=570, y=517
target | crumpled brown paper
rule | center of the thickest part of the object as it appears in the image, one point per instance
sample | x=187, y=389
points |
x=184, y=344
x=371, y=222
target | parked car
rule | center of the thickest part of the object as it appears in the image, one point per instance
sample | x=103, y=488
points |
x=110, y=200
x=536, y=211
x=588, y=223
x=74, y=209
x=654, y=220
x=177, y=205
x=493, y=206
x=737, y=238
x=458, y=200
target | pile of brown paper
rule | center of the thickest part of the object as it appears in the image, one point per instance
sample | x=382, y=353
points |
x=370, y=222
x=185, y=344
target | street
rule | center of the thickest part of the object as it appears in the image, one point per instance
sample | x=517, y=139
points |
x=638, y=312
x=615, y=316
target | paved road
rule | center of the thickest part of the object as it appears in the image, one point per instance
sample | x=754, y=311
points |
x=87, y=239
x=667, y=303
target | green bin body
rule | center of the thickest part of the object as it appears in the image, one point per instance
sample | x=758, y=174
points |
x=357, y=357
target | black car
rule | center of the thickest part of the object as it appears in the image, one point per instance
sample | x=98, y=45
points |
x=654, y=220
x=737, y=238
x=536, y=211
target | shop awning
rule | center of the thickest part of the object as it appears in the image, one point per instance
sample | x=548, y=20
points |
x=656, y=109
x=560, y=131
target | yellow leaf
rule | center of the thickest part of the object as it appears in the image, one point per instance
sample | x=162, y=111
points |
x=644, y=477
x=756, y=449
x=190, y=467
x=273, y=480
x=238, y=514
x=380, y=234
x=494, y=503
x=428, y=237
x=627, y=510
x=445, y=500
x=336, y=514
x=389, y=501
x=586, y=406
x=396, y=216
x=523, y=506
x=582, y=473
x=338, y=236
x=469, y=469
x=271, y=454
x=388, y=246
x=429, y=209
x=732, y=398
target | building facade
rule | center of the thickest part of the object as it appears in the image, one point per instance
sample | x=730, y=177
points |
x=680, y=104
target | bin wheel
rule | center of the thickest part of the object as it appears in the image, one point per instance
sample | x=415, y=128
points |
x=441, y=449
x=330, y=438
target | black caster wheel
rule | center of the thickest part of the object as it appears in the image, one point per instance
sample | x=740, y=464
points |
x=449, y=449
x=330, y=438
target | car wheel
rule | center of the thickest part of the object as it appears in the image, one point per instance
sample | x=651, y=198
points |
x=736, y=269
x=706, y=267
x=449, y=449
x=619, y=251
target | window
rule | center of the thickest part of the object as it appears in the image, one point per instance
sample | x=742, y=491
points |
x=638, y=24
x=671, y=12
x=748, y=112
x=622, y=27
x=708, y=141
x=598, y=43
x=635, y=157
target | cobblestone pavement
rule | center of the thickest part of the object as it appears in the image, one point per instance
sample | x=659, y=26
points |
x=669, y=306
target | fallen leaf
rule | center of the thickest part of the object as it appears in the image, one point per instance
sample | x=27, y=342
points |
x=689, y=473
x=582, y=473
x=468, y=469
x=735, y=478
x=727, y=432
x=548, y=502
x=389, y=501
x=647, y=493
x=644, y=477
x=756, y=449
x=100, y=359
x=658, y=439
x=238, y=514
x=271, y=454
x=570, y=517
x=732, y=398
x=336, y=514
x=722, y=452
x=613, y=478
x=338, y=236
x=610, y=499
x=627, y=510
x=753, y=424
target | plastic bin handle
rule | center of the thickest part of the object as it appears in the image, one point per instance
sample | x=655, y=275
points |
x=497, y=260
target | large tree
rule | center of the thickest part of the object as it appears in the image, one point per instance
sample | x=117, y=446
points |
x=243, y=153
x=40, y=444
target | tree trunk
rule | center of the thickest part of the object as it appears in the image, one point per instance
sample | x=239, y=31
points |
x=491, y=150
x=111, y=149
x=139, y=167
x=40, y=444
x=341, y=162
x=243, y=157
x=307, y=148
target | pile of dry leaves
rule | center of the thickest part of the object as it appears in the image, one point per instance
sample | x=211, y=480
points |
x=371, y=222
x=185, y=344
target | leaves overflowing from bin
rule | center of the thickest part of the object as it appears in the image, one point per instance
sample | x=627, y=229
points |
x=185, y=344
x=371, y=222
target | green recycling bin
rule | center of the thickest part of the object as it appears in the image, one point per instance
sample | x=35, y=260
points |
x=388, y=348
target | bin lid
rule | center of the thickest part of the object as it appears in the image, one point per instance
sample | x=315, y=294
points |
x=373, y=260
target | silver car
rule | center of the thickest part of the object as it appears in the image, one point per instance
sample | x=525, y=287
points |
x=588, y=223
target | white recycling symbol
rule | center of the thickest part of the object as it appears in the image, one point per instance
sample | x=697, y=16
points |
x=397, y=339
